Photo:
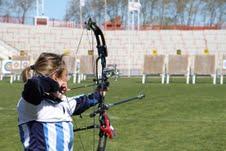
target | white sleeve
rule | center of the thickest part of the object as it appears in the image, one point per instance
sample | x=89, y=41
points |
x=70, y=103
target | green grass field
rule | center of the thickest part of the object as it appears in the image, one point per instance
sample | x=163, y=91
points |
x=174, y=117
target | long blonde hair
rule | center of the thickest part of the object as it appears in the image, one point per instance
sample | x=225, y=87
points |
x=46, y=64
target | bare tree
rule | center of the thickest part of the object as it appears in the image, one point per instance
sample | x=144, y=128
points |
x=222, y=12
x=72, y=11
x=5, y=7
x=164, y=12
x=213, y=8
x=22, y=7
x=196, y=11
x=190, y=11
x=96, y=10
x=163, y=6
x=92, y=8
x=148, y=10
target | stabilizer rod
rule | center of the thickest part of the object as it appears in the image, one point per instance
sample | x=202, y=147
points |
x=108, y=106
x=86, y=128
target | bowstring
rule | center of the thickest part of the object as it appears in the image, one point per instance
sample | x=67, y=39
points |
x=70, y=108
x=80, y=39
x=91, y=43
x=81, y=142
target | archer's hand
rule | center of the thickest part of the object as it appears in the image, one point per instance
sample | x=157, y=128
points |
x=62, y=90
x=103, y=86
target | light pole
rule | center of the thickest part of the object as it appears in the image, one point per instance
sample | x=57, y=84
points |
x=105, y=13
x=133, y=11
x=39, y=7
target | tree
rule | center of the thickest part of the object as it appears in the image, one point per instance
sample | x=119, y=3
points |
x=72, y=11
x=222, y=12
x=92, y=8
x=5, y=7
x=163, y=12
x=147, y=11
x=22, y=7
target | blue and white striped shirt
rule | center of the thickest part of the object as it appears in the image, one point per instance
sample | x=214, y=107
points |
x=41, y=136
x=48, y=126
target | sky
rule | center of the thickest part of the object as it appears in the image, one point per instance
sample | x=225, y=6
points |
x=55, y=8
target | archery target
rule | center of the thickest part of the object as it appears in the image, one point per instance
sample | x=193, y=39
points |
x=77, y=65
x=25, y=64
x=224, y=64
x=16, y=65
x=0, y=66
x=6, y=66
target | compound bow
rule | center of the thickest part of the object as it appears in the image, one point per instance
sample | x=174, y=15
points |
x=105, y=128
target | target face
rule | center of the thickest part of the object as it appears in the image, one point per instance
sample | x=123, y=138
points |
x=25, y=64
x=16, y=65
x=6, y=66
x=224, y=64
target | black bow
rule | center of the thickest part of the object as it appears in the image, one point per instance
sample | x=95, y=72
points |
x=106, y=130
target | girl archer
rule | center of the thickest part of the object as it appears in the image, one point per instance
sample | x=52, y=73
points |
x=44, y=111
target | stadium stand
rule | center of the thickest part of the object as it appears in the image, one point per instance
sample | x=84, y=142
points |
x=178, y=65
x=126, y=48
x=204, y=65
x=7, y=51
x=154, y=65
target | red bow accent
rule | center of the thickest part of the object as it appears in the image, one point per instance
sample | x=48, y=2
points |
x=107, y=128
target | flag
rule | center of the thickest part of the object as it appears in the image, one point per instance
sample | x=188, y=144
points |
x=224, y=64
x=134, y=6
x=82, y=3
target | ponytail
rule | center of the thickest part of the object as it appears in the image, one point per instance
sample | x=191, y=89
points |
x=26, y=74
x=45, y=65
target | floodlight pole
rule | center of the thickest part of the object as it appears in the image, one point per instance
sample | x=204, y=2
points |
x=130, y=27
x=105, y=13
x=39, y=7
x=133, y=9
x=42, y=7
x=81, y=16
x=138, y=18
